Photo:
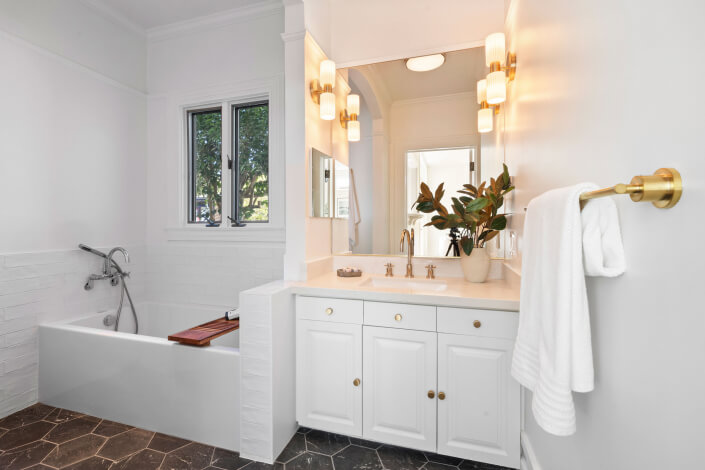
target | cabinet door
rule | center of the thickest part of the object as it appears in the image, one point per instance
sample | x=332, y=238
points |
x=399, y=371
x=328, y=362
x=478, y=419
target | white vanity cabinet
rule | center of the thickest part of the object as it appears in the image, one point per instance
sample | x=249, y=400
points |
x=419, y=376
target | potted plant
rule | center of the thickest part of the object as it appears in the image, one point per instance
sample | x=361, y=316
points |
x=474, y=215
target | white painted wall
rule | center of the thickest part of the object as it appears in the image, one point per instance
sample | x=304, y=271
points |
x=73, y=144
x=581, y=109
x=234, y=58
x=83, y=33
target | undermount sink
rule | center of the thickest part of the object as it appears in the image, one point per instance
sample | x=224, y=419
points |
x=406, y=283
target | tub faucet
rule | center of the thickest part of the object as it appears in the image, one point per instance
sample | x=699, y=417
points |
x=410, y=250
x=107, y=266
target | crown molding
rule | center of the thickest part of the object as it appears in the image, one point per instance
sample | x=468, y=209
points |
x=216, y=20
x=114, y=16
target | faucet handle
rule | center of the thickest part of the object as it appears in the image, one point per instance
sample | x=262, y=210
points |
x=389, y=272
x=429, y=271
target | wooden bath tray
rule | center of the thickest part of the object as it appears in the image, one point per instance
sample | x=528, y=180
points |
x=202, y=335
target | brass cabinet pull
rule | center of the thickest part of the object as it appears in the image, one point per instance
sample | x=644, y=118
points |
x=477, y=324
x=356, y=382
x=431, y=394
x=397, y=317
x=329, y=311
x=441, y=395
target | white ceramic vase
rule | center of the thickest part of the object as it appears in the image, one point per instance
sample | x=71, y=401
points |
x=476, y=267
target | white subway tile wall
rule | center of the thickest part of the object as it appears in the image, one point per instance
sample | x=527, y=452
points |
x=48, y=286
x=210, y=273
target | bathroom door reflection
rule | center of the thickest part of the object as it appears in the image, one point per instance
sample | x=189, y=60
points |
x=454, y=167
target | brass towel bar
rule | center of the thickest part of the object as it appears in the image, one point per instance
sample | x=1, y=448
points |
x=663, y=189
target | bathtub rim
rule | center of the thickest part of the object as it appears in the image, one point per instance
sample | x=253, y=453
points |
x=68, y=325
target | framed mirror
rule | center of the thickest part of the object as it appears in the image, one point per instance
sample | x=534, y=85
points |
x=321, y=183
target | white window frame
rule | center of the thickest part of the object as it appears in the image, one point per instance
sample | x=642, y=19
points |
x=270, y=90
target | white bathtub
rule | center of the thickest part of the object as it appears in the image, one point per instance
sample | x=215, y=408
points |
x=145, y=380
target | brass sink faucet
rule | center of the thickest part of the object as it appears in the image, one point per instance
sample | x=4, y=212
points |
x=410, y=250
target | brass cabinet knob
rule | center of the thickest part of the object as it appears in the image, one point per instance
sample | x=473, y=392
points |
x=477, y=324
x=441, y=395
x=356, y=382
x=397, y=317
x=329, y=311
x=431, y=394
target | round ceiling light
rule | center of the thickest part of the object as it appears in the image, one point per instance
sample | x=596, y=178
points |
x=425, y=63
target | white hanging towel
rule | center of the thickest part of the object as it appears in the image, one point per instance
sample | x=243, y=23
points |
x=553, y=351
x=353, y=214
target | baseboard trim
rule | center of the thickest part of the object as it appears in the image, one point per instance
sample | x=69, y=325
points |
x=528, y=456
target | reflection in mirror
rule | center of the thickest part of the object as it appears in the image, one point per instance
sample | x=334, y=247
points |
x=342, y=190
x=452, y=167
x=416, y=127
x=321, y=183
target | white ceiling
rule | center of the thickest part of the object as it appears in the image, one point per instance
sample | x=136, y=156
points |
x=460, y=73
x=152, y=13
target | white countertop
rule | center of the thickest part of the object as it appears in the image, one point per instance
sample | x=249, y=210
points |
x=493, y=294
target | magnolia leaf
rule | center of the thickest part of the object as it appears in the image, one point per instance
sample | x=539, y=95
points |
x=458, y=206
x=426, y=191
x=439, y=192
x=491, y=235
x=477, y=204
x=464, y=199
x=472, y=190
x=426, y=206
x=467, y=245
x=505, y=175
x=499, y=223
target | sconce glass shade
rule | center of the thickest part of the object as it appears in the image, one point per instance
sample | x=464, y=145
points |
x=494, y=49
x=327, y=106
x=496, y=87
x=484, y=120
x=481, y=91
x=327, y=73
x=353, y=131
x=353, y=104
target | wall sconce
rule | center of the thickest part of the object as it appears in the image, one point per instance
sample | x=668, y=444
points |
x=502, y=68
x=322, y=90
x=485, y=115
x=348, y=118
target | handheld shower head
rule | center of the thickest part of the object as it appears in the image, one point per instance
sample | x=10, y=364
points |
x=92, y=250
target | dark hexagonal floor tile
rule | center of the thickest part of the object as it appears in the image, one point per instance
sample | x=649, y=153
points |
x=40, y=467
x=309, y=461
x=61, y=416
x=303, y=430
x=472, y=465
x=25, y=434
x=228, y=460
x=94, y=463
x=357, y=458
x=295, y=447
x=439, y=466
x=166, y=443
x=399, y=458
x=326, y=443
x=124, y=444
x=74, y=451
x=193, y=456
x=111, y=428
x=23, y=457
x=443, y=459
x=146, y=459
x=71, y=430
x=364, y=443
x=27, y=416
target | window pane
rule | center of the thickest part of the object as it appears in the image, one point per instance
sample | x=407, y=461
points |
x=252, y=134
x=206, y=166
